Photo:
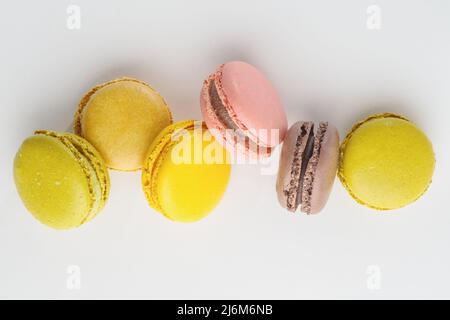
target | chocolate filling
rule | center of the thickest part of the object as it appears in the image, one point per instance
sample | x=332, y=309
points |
x=302, y=153
x=304, y=165
x=310, y=169
x=224, y=117
x=307, y=154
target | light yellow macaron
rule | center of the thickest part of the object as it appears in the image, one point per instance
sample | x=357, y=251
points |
x=61, y=179
x=386, y=162
x=186, y=172
x=121, y=118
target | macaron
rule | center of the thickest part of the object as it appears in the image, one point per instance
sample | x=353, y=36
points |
x=242, y=109
x=61, y=179
x=307, y=167
x=186, y=172
x=121, y=118
x=386, y=162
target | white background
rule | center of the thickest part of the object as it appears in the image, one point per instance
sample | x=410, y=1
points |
x=326, y=64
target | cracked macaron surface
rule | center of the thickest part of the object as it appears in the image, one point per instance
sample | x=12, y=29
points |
x=182, y=177
x=61, y=179
x=386, y=162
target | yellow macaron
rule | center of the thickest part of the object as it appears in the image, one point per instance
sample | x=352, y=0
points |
x=186, y=172
x=386, y=162
x=61, y=179
x=121, y=118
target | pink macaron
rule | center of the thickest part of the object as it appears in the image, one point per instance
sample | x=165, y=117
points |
x=242, y=109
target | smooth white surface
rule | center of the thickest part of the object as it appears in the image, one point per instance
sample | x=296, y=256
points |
x=327, y=66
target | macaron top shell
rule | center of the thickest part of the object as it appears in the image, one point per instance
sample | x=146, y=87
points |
x=121, y=118
x=252, y=101
x=59, y=182
x=248, y=104
x=386, y=162
x=182, y=178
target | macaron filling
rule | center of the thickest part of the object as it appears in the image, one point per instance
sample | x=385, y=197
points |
x=310, y=169
x=302, y=144
x=306, y=158
x=307, y=154
x=99, y=180
x=93, y=160
x=222, y=114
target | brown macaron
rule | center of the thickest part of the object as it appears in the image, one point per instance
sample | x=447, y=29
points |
x=308, y=165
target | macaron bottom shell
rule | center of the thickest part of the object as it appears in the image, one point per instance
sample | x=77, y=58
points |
x=186, y=173
x=386, y=162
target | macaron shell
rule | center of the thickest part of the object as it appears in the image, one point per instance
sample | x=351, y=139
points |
x=98, y=166
x=252, y=102
x=185, y=189
x=52, y=184
x=84, y=154
x=386, y=162
x=121, y=118
x=216, y=127
x=325, y=172
x=226, y=136
x=156, y=150
x=95, y=159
